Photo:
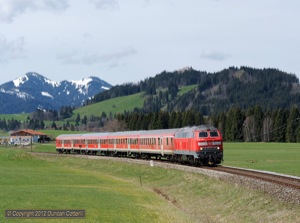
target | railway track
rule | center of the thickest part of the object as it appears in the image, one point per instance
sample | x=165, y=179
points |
x=289, y=181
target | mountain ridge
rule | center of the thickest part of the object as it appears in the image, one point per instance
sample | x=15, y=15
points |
x=33, y=90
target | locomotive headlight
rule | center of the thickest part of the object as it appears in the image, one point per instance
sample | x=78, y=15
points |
x=202, y=143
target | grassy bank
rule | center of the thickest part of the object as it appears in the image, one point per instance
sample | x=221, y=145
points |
x=30, y=183
x=112, y=191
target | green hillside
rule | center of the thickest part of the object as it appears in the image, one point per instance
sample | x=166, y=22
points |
x=116, y=105
x=20, y=117
x=120, y=104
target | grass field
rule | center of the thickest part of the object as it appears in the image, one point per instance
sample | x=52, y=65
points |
x=112, y=191
x=276, y=157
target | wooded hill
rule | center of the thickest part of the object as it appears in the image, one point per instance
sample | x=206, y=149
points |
x=242, y=87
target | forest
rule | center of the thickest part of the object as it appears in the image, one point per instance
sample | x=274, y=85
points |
x=236, y=125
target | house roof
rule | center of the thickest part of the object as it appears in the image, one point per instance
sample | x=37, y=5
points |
x=28, y=131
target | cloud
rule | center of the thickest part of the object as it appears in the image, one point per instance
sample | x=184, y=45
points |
x=213, y=55
x=76, y=57
x=11, y=49
x=9, y=9
x=105, y=4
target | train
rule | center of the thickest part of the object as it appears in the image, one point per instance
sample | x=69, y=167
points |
x=201, y=145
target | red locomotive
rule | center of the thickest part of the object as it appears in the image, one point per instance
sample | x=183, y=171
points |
x=200, y=144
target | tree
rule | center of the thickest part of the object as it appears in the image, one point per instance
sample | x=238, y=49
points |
x=267, y=133
x=280, y=118
x=77, y=120
x=249, y=129
x=153, y=121
x=178, y=120
x=234, y=125
x=163, y=120
x=72, y=127
x=84, y=120
x=258, y=120
x=53, y=126
x=292, y=125
x=199, y=119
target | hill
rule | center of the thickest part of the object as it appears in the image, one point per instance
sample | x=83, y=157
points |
x=244, y=87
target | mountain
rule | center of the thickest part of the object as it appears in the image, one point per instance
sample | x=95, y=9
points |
x=32, y=91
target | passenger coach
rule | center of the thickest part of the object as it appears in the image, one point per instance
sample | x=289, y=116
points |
x=200, y=144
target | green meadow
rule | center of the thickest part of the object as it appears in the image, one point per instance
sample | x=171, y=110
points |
x=111, y=191
x=276, y=157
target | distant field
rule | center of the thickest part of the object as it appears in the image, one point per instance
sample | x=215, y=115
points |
x=21, y=117
x=113, y=191
x=276, y=157
x=186, y=89
x=54, y=133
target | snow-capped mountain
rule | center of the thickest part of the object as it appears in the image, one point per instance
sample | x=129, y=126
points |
x=32, y=91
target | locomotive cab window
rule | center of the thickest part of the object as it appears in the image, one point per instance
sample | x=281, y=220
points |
x=203, y=134
x=214, y=134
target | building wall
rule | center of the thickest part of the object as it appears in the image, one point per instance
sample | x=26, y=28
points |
x=20, y=140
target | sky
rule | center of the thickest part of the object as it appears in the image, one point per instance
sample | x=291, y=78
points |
x=122, y=41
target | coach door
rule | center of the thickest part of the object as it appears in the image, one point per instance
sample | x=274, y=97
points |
x=161, y=143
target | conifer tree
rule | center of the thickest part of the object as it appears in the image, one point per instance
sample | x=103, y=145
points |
x=292, y=125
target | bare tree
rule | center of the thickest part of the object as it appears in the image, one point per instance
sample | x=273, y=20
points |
x=267, y=129
x=249, y=129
